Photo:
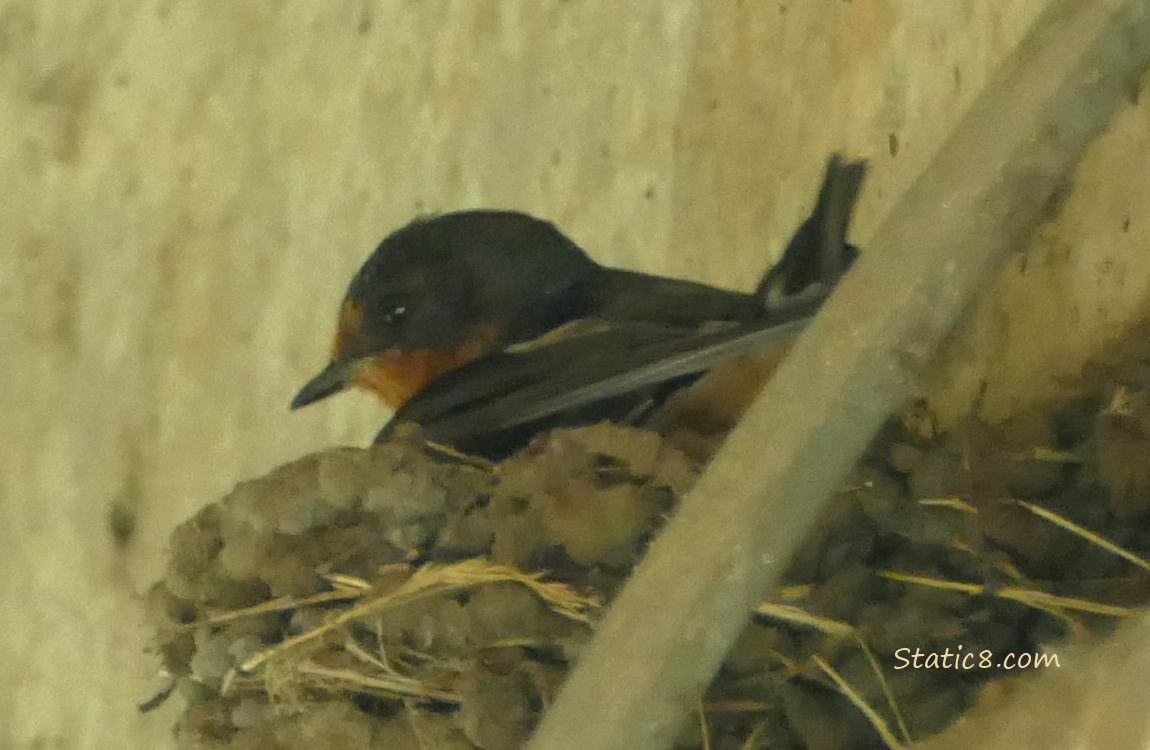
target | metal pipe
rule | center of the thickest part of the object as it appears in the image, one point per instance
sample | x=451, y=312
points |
x=989, y=185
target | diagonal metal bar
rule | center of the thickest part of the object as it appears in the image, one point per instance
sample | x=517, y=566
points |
x=989, y=185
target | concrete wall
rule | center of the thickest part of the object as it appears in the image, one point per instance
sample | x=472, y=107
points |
x=185, y=189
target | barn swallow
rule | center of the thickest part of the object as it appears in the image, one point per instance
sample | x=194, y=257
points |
x=484, y=327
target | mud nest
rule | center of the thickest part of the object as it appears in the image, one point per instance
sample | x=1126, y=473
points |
x=399, y=596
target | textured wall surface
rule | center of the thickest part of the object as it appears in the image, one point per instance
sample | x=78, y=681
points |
x=185, y=189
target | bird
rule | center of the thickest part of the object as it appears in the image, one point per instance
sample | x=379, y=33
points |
x=484, y=327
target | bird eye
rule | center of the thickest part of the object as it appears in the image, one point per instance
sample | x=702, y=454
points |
x=395, y=314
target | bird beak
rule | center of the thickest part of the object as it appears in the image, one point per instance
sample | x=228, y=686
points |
x=334, y=378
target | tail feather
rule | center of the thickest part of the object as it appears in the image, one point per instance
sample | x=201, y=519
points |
x=818, y=253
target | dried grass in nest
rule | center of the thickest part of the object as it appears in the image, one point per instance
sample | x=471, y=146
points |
x=295, y=666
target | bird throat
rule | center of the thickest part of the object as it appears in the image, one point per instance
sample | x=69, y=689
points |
x=396, y=375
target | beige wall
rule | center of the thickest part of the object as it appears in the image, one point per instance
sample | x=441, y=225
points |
x=186, y=187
